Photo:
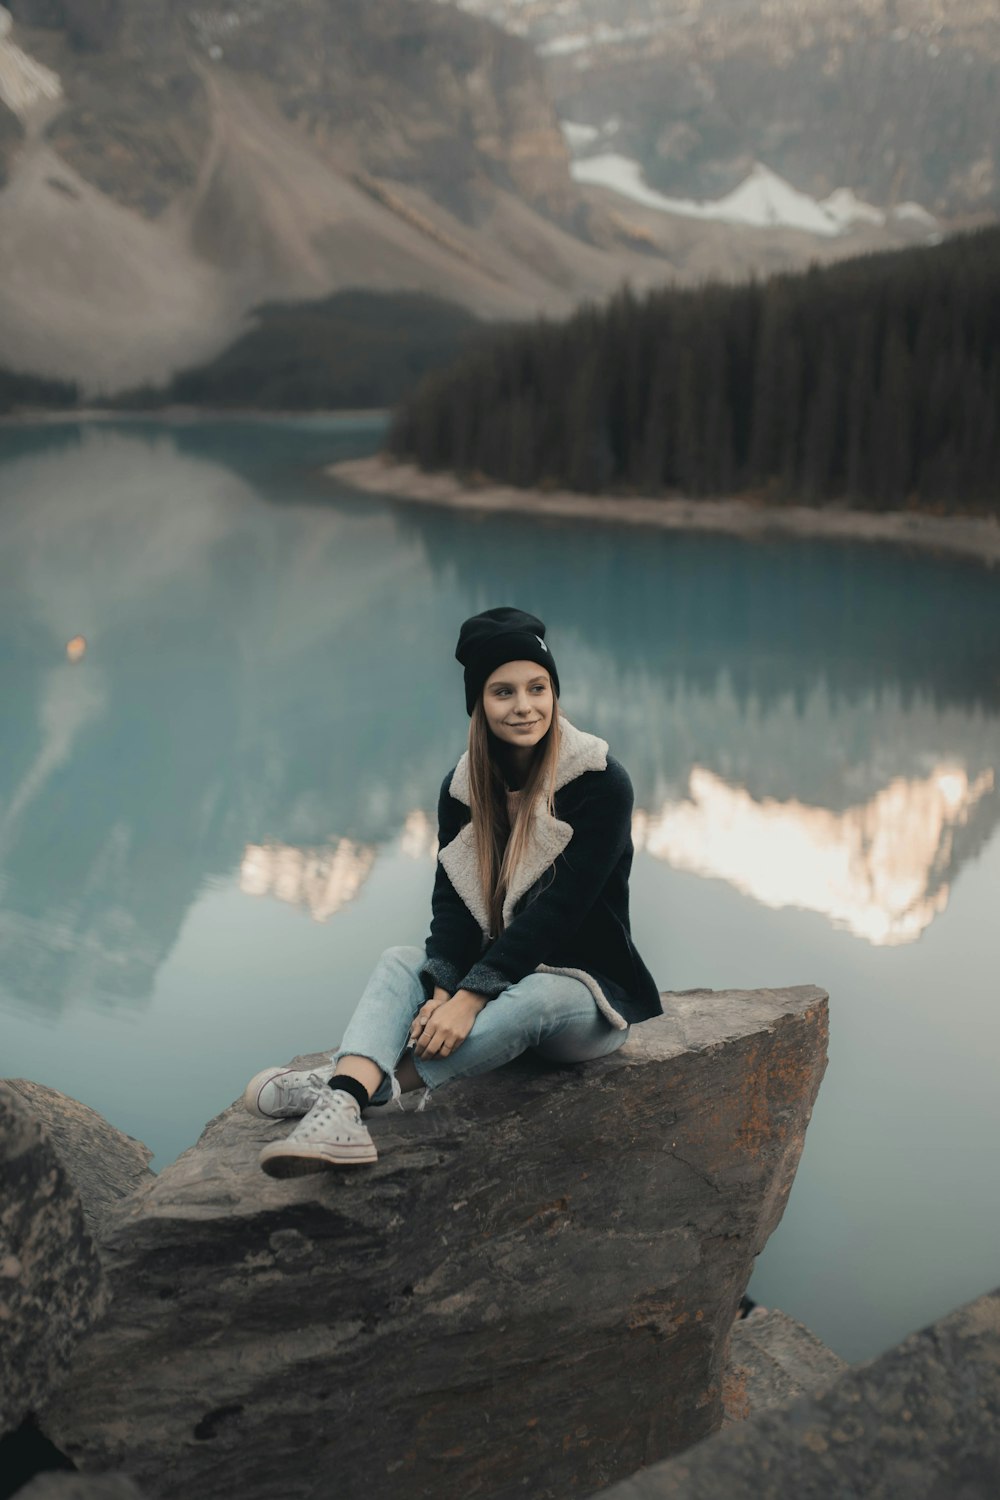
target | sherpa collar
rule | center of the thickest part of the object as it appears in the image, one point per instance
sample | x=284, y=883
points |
x=578, y=752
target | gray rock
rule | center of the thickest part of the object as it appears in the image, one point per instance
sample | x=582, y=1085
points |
x=531, y=1291
x=773, y=1359
x=104, y=1164
x=63, y=1486
x=51, y=1288
x=922, y=1421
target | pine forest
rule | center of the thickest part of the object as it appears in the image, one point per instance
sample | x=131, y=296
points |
x=874, y=382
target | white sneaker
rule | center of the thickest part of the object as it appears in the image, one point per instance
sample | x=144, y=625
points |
x=283, y=1093
x=331, y=1135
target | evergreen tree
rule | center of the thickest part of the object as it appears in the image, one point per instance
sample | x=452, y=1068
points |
x=874, y=381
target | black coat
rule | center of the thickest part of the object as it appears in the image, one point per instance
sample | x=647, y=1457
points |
x=567, y=909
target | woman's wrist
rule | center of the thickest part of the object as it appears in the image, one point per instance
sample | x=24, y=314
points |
x=474, y=998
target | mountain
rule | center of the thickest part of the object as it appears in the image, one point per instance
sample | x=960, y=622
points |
x=894, y=101
x=353, y=350
x=164, y=171
x=432, y=98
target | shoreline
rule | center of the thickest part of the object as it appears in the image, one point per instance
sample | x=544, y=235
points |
x=166, y=414
x=967, y=536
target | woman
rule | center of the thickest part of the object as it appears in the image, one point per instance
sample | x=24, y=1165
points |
x=529, y=944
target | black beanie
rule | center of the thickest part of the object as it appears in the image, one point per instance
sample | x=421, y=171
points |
x=486, y=641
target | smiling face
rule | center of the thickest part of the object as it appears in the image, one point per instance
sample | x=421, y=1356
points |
x=518, y=702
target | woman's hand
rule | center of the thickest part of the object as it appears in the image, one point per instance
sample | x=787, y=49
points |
x=442, y=1025
x=425, y=1012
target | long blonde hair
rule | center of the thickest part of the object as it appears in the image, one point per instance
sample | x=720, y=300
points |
x=500, y=845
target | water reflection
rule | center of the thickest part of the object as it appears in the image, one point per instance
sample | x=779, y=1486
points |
x=323, y=881
x=268, y=696
x=880, y=869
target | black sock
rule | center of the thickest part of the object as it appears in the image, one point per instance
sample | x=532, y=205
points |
x=351, y=1086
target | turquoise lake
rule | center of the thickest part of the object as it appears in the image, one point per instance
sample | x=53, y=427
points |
x=213, y=822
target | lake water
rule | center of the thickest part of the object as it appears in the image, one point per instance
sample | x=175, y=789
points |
x=213, y=823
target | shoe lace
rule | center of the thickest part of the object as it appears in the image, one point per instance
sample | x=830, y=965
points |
x=328, y=1098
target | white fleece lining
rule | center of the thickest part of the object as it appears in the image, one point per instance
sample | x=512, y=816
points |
x=578, y=752
x=459, y=860
x=603, y=1003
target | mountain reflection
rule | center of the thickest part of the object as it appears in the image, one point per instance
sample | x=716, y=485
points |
x=322, y=880
x=880, y=869
x=269, y=697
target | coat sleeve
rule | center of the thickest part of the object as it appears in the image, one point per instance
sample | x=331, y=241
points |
x=602, y=826
x=455, y=938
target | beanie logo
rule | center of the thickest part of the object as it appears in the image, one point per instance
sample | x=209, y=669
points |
x=541, y=643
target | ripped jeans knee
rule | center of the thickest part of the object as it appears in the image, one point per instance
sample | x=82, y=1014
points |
x=379, y=1028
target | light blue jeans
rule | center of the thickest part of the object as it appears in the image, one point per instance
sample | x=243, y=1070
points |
x=553, y=1014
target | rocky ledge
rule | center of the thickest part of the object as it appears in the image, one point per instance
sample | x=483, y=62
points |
x=104, y=1165
x=51, y=1286
x=532, y=1291
x=921, y=1421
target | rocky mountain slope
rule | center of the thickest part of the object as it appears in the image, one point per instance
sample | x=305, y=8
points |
x=893, y=99
x=167, y=169
x=427, y=96
x=164, y=170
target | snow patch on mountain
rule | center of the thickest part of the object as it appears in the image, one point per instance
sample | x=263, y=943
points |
x=564, y=46
x=763, y=200
x=23, y=81
x=848, y=208
x=916, y=213
x=599, y=35
x=578, y=135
